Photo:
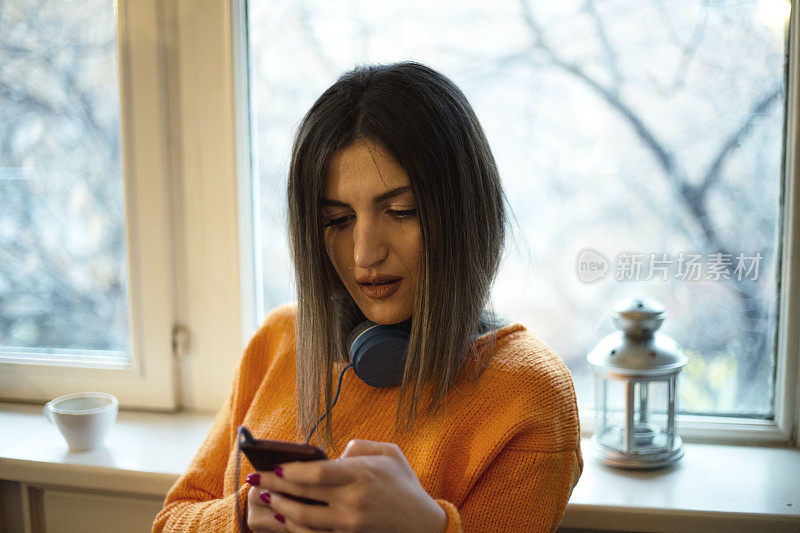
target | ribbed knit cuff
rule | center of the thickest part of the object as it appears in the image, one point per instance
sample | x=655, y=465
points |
x=453, y=518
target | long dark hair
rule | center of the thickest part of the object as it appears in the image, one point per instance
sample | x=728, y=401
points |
x=426, y=123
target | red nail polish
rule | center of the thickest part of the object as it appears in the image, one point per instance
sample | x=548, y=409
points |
x=254, y=478
x=265, y=497
x=280, y=518
x=279, y=471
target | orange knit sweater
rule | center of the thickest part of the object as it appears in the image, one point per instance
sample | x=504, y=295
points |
x=503, y=453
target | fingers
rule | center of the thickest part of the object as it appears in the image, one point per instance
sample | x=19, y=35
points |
x=303, y=517
x=281, y=513
x=334, y=473
x=308, y=489
x=319, y=474
x=344, y=485
x=357, y=447
x=261, y=515
x=362, y=448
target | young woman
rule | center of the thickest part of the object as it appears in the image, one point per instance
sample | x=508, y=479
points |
x=396, y=216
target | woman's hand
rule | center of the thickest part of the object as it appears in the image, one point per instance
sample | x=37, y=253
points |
x=371, y=487
x=260, y=515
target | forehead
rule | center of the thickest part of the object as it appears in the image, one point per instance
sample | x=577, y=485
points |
x=363, y=169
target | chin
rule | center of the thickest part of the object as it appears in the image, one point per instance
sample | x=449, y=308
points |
x=386, y=316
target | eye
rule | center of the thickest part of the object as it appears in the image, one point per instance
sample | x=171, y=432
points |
x=336, y=222
x=402, y=215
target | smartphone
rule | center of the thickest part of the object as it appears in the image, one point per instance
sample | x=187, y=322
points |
x=266, y=454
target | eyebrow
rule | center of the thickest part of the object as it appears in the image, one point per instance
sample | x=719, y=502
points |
x=397, y=191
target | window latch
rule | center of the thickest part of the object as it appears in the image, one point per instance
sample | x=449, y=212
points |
x=180, y=341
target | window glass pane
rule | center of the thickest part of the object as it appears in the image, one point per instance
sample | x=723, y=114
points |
x=63, y=279
x=640, y=138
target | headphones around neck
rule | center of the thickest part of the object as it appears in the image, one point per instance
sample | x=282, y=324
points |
x=378, y=351
x=378, y=354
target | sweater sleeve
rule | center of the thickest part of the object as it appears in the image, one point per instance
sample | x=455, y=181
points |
x=196, y=501
x=520, y=491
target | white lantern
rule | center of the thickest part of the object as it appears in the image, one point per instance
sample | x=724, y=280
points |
x=636, y=371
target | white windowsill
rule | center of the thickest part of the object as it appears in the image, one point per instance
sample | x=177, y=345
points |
x=714, y=487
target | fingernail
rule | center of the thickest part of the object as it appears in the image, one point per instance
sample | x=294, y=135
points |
x=279, y=471
x=265, y=497
x=280, y=518
x=254, y=478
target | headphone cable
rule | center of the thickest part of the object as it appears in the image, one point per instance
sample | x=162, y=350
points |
x=335, y=398
x=243, y=434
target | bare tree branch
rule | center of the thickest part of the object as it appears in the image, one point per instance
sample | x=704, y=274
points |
x=693, y=197
x=664, y=157
x=608, y=48
x=753, y=361
x=734, y=140
x=688, y=48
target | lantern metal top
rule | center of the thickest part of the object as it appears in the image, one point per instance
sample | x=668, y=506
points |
x=638, y=351
x=639, y=317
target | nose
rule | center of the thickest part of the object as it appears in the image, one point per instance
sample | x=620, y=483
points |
x=369, y=247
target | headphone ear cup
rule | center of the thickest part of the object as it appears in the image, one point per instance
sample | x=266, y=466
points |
x=378, y=353
x=359, y=329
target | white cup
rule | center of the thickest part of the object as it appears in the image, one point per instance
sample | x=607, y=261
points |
x=83, y=418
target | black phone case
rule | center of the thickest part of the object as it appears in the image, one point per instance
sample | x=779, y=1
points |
x=265, y=455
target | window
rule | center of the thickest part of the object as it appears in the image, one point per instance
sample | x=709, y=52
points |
x=63, y=264
x=208, y=253
x=82, y=301
x=644, y=137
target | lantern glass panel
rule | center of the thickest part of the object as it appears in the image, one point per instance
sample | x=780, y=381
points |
x=611, y=413
x=649, y=410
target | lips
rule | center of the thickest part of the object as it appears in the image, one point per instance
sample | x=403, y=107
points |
x=375, y=280
x=379, y=287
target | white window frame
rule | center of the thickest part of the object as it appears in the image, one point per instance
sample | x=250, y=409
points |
x=182, y=216
x=211, y=239
x=146, y=381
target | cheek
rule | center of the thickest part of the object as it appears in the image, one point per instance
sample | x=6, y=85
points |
x=414, y=254
x=336, y=252
x=329, y=250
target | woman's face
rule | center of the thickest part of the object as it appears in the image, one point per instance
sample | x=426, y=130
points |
x=372, y=234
